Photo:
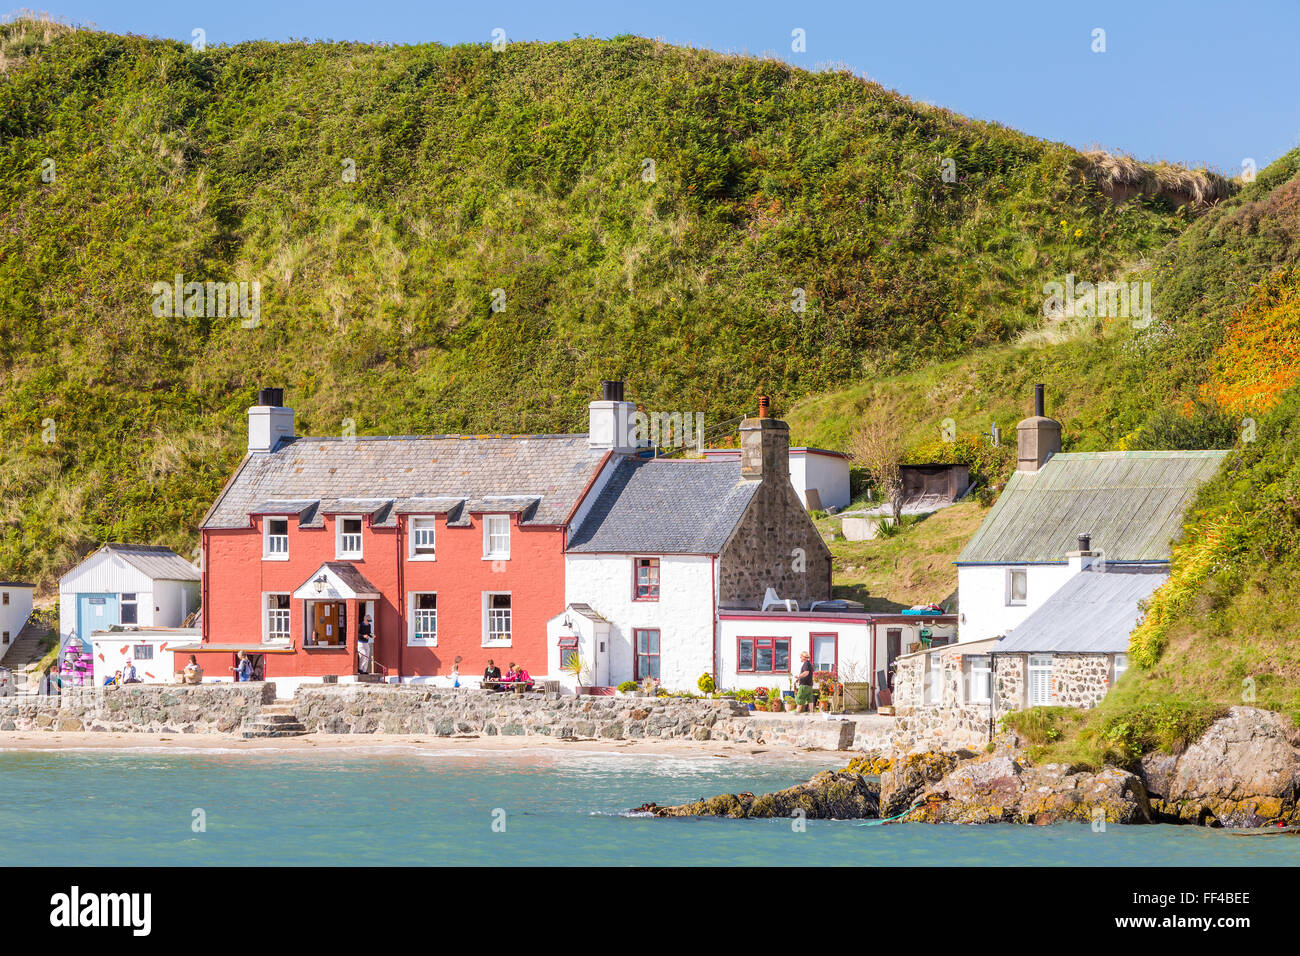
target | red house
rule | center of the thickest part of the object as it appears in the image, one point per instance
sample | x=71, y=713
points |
x=452, y=546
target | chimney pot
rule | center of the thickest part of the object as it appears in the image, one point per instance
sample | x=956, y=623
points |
x=612, y=391
x=1039, y=405
x=269, y=422
x=1085, y=542
x=764, y=407
x=270, y=397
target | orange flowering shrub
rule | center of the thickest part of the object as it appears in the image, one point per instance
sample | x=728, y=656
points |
x=1260, y=355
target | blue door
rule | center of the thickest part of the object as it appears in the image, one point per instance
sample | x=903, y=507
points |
x=95, y=612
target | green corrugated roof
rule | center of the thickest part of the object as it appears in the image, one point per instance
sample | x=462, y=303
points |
x=1131, y=502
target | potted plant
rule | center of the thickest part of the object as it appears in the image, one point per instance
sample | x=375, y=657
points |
x=581, y=674
x=705, y=684
x=774, y=701
x=628, y=688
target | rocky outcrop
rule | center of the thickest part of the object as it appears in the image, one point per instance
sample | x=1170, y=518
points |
x=998, y=789
x=1244, y=771
x=908, y=777
x=830, y=795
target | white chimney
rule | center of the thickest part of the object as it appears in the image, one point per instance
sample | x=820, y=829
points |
x=1085, y=557
x=269, y=422
x=613, y=421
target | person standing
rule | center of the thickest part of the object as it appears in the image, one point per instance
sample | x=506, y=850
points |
x=243, y=668
x=455, y=672
x=365, y=647
x=803, y=694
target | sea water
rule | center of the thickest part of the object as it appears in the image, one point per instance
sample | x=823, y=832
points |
x=413, y=807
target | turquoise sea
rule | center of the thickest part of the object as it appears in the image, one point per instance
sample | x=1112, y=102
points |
x=268, y=807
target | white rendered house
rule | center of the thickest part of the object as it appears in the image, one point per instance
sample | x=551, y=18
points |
x=820, y=477
x=1060, y=513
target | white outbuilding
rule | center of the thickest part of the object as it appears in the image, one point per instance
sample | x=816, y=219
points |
x=15, y=609
x=126, y=585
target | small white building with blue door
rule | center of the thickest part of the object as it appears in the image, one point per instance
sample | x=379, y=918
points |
x=127, y=585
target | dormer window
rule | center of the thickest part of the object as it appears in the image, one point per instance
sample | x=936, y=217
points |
x=496, y=537
x=423, y=534
x=348, y=544
x=275, y=539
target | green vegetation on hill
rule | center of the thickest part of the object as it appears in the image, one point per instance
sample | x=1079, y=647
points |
x=523, y=170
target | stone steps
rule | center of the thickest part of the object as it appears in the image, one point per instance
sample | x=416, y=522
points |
x=275, y=720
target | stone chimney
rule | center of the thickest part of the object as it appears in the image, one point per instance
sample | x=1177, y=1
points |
x=1037, y=438
x=612, y=421
x=764, y=445
x=269, y=422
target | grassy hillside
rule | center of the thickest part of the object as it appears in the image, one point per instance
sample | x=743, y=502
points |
x=125, y=161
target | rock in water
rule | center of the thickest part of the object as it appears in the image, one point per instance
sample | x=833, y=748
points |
x=907, y=779
x=830, y=795
x=1243, y=772
x=999, y=790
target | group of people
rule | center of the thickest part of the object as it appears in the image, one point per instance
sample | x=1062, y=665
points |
x=514, y=675
x=126, y=675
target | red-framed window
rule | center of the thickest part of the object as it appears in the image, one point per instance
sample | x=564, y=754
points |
x=645, y=579
x=763, y=655
x=824, y=648
x=647, y=653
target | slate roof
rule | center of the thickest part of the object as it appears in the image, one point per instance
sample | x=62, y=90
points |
x=1131, y=502
x=1093, y=612
x=540, y=476
x=154, y=561
x=666, y=506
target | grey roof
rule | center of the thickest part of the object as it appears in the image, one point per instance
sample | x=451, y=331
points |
x=353, y=578
x=666, y=506
x=155, y=562
x=1093, y=612
x=542, y=476
x=1131, y=502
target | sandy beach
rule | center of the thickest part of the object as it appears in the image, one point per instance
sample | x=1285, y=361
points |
x=336, y=743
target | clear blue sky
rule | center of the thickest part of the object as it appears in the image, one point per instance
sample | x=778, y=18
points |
x=1194, y=81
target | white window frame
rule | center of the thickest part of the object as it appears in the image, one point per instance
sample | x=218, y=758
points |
x=134, y=602
x=1011, y=600
x=427, y=524
x=413, y=638
x=1039, y=663
x=488, y=640
x=1119, y=664
x=979, y=678
x=934, y=678
x=340, y=538
x=286, y=614
x=275, y=547
x=489, y=553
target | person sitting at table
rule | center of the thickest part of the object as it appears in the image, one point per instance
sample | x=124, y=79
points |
x=512, y=674
x=522, y=676
x=492, y=674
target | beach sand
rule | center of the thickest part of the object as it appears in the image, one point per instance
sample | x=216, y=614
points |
x=336, y=743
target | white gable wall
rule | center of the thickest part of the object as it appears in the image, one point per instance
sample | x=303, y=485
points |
x=683, y=615
x=827, y=473
x=14, y=615
x=982, y=597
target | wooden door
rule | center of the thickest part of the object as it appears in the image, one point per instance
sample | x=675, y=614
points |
x=323, y=626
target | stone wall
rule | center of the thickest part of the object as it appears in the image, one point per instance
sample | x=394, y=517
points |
x=381, y=708
x=951, y=721
x=1080, y=680
x=140, y=708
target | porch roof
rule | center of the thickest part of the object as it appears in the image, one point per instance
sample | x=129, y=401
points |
x=343, y=582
